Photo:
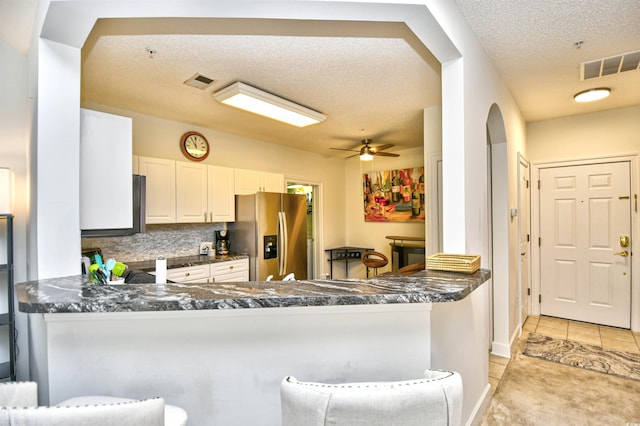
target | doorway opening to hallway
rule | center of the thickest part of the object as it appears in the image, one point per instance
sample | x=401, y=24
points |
x=311, y=192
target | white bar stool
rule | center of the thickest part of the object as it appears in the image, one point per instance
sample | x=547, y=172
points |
x=434, y=400
x=173, y=415
x=19, y=403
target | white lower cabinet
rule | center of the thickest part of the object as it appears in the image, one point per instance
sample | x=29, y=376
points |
x=190, y=274
x=226, y=271
x=230, y=271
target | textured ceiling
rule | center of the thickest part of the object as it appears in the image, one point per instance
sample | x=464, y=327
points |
x=374, y=77
x=531, y=42
x=356, y=73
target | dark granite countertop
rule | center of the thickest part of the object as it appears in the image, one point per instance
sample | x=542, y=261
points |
x=183, y=262
x=77, y=294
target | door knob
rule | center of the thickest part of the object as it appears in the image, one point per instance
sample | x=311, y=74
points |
x=624, y=241
x=623, y=253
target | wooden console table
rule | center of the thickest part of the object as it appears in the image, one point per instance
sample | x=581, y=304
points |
x=405, y=251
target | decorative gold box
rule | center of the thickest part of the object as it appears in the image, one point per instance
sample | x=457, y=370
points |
x=466, y=263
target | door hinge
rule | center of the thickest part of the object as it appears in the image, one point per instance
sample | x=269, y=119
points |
x=538, y=184
x=528, y=292
x=539, y=242
x=528, y=239
x=540, y=298
x=527, y=181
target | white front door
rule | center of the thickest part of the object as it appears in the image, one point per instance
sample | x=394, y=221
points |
x=524, y=215
x=585, y=272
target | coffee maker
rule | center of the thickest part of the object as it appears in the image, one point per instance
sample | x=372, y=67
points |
x=222, y=243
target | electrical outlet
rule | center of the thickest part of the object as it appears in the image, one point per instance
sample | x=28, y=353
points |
x=206, y=247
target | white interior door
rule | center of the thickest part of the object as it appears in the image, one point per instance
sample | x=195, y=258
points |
x=524, y=221
x=585, y=272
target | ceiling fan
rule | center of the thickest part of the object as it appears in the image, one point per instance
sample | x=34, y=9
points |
x=367, y=151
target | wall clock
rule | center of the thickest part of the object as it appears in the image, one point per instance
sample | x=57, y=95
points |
x=194, y=146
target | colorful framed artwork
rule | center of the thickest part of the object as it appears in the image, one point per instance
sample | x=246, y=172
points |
x=394, y=195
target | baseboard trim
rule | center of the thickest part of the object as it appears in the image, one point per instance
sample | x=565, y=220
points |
x=481, y=407
x=500, y=349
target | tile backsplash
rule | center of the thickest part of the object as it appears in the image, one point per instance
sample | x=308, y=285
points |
x=159, y=240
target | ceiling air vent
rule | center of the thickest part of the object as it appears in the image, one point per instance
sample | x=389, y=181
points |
x=199, y=81
x=629, y=61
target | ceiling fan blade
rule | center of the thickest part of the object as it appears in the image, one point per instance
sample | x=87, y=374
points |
x=387, y=154
x=344, y=149
x=382, y=147
x=351, y=156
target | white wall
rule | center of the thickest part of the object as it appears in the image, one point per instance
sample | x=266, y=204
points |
x=598, y=134
x=57, y=187
x=480, y=87
x=613, y=133
x=372, y=234
x=14, y=142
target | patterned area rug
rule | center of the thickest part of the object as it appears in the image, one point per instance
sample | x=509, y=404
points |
x=581, y=355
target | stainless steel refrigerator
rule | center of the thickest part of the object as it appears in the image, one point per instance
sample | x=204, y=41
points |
x=272, y=229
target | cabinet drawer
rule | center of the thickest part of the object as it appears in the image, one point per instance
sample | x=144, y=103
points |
x=232, y=277
x=198, y=273
x=229, y=266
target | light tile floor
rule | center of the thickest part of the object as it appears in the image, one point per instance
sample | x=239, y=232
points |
x=592, y=334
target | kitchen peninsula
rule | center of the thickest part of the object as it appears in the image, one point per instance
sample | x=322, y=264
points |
x=219, y=350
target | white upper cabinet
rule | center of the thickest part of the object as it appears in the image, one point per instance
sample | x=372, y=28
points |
x=252, y=181
x=247, y=182
x=161, y=189
x=273, y=182
x=106, y=200
x=191, y=192
x=187, y=192
x=221, y=197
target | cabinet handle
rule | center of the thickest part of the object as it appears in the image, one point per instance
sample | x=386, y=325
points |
x=210, y=216
x=186, y=274
x=205, y=216
x=230, y=267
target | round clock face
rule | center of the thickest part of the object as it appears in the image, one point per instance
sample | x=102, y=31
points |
x=194, y=146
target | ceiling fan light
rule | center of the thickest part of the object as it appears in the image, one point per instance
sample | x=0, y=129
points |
x=592, y=94
x=366, y=154
x=366, y=157
x=248, y=98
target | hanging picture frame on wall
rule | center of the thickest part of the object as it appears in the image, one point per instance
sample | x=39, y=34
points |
x=396, y=195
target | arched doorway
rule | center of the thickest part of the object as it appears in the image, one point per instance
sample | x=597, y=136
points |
x=497, y=204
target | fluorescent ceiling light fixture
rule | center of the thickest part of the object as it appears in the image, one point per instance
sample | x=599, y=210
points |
x=592, y=94
x=254, y=100
x=366, y=154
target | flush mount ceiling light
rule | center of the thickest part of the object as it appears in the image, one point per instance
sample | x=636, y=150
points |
x=366, y=153
x=248, y=98
x=592, y=94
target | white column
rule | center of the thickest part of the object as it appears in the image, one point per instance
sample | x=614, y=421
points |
x=57, y=160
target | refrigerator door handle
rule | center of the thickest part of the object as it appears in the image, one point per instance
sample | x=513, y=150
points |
x=280, y=244
x=285, y=243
